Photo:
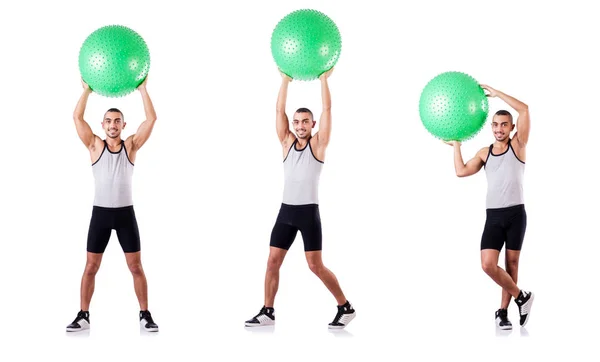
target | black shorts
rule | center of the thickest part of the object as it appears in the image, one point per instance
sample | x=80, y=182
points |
x=508, y=225
x=122, y=220
x=292, y=218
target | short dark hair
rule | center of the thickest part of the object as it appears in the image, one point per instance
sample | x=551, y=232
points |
x=305, y=110
x=115, y=110
x=503, y=112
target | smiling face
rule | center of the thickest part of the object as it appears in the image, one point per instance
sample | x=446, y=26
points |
x=113, y=124
x=303, y=124
x=502, y=126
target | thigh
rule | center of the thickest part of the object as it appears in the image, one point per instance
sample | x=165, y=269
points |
x=310, y=228
x=515, y=234
x=494, y=234
x=127, y=230
x=99, y=231
x=283, y=235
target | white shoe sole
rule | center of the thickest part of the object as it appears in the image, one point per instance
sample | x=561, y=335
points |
x=143, y=325
x=72, y=330
x=266, y=324
x=352, y=316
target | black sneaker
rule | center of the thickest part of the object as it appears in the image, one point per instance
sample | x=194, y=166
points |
x=147, y=322
x=344, y=316
x=502, y=321
x=81, y=322
x=524, y=301
x=266, y=317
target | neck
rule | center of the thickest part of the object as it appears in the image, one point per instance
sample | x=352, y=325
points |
x=303, y=141
x=113, y=141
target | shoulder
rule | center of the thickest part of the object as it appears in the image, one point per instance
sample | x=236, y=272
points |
x=483, y=154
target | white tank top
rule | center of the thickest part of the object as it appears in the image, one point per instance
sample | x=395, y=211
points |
x=301, y=171
x=504, y=174
x=113, y=174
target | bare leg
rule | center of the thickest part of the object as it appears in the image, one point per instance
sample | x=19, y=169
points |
x=88, y=280
x=276, y=256
x=489, y=263
x=315, y=263
x=134, y=262
x=512, y=268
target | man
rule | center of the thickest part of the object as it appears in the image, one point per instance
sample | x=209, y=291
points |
x=504, y=163
x=112, y=164
x=303, y=156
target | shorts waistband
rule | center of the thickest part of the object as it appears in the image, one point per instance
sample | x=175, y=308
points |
x=304, y=206
x=508, y=208
x=102, y=208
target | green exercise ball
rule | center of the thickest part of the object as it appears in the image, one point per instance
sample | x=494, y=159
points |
x=453, y=106
x=305, y=44
x=114, y=60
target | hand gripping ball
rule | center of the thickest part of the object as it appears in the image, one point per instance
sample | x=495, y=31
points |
x=114, y=60
x=305, y=44
x=453, y=106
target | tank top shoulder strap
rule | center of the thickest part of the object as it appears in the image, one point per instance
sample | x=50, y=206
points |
x=290, y=149
x=488, y=155
x=514, y=152
x=313, y=152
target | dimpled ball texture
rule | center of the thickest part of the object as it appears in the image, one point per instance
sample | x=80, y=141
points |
x=453, y=106
x=305, y=44
x=114, y=60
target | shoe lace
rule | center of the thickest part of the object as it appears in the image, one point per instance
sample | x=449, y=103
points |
x=264, y=311
x=339, y=314
x=81, y=315
x=147, y=316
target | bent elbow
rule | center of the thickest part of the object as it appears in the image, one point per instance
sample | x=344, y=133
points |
x=461, y=173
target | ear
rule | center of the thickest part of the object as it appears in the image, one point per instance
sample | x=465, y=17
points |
x=314, y=124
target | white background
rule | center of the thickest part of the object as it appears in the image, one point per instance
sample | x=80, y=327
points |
x=401, y=231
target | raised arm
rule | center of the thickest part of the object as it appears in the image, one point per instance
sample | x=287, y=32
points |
x=325, y=121
x=83, y=128
x=523, y=123
x=472, y=166
x=145, y=129
x=281, y=118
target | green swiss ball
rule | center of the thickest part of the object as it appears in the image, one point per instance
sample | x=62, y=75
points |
x=305, y=44
x=114, y=60
x=453, y=106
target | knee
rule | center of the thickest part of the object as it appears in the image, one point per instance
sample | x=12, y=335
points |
x=273, y=264
x=512, y=265
x=316, y=268
x=91, y=269
x=136, y=268
x=488, y=267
